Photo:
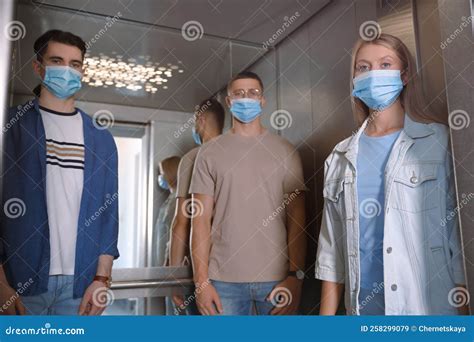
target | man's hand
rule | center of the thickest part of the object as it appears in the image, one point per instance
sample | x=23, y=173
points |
x=178, y=300
x=286, y=296
x=9, y=296
x=96, y=299
x=207, y=300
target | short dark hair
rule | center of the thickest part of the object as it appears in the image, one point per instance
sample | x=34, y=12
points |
x=41, y=45
x=214, y=107
x=58, y=36
x=245, y=74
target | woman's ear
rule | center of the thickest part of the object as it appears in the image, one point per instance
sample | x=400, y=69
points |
x=404, y=76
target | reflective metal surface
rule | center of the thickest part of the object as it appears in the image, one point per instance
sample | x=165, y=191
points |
x=151, y=282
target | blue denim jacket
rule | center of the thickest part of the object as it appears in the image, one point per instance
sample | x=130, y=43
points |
x=24, y=236
x=422, y=252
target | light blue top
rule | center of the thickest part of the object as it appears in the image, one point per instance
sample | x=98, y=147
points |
x=422, y=246
x=372, y=158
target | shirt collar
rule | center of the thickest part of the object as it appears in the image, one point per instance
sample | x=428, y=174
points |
x=412, y=128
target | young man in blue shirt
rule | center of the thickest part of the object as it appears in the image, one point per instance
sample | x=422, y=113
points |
x=59, y=226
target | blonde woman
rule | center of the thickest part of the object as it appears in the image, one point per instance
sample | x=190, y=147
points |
x=388, y=190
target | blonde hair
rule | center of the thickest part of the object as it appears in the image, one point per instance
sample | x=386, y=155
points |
x=169, y=166
x=411, y=97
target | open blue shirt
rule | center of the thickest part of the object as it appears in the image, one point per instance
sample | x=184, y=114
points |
x=371, y=161
x=24, y=234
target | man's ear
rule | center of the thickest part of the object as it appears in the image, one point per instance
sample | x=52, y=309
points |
x=263, y=101
x=38, y=68
x=227, y=101
x=202, y=119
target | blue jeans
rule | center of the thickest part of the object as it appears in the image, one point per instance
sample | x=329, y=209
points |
x=189, y=310
x=245, y=298
x=57, y=301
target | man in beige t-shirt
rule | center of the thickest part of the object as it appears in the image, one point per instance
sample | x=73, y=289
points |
x=248, y=239
x=209, y=122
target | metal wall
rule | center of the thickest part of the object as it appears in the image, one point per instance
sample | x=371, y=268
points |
x=6, y=17
x=456, y=23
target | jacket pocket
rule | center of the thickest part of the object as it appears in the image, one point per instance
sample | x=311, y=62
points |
x=333, y=189
x=416, y=187
x=440, y=283
x=337, y=191
x=440, y=268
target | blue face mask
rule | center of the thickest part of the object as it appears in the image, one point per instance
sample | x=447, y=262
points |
x=378, y=89
x=62, y=81
x=196, y=136
x=163, y=183
x=245, y=110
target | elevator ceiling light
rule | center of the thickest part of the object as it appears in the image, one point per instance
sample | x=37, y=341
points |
x=133, y=74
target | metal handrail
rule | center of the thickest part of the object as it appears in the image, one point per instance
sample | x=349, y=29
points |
x=129, y=285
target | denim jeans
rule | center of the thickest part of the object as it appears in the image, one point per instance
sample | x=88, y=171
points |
x=190, y=308
x=57, y=301
x=245, y=298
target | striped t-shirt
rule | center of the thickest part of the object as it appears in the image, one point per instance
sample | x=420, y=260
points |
x=64, y=183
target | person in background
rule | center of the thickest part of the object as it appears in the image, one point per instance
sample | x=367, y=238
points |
x=209, y=121
x=248, y=240
x=167, y=181
x=388, y=191
x=59, y=228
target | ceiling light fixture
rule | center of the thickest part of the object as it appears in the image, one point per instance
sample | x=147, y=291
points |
x=104, y=71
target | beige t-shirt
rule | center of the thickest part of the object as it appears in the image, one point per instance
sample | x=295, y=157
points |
x=185, y=172
x=248, y=178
